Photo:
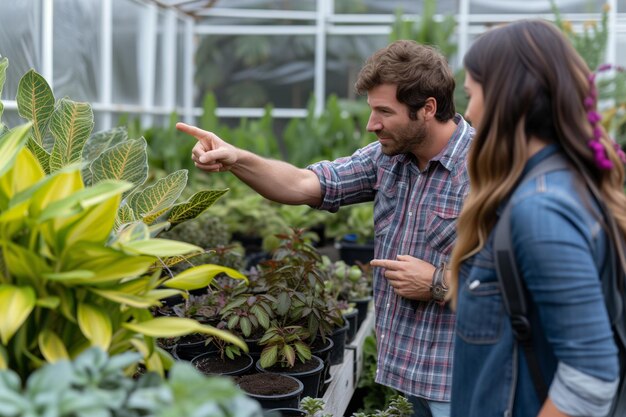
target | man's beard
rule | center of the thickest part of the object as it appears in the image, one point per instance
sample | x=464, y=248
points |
x=406, y=140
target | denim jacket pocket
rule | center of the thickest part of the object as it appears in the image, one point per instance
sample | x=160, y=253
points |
x=480, y=313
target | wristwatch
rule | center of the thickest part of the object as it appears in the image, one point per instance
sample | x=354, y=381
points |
x=439, y=288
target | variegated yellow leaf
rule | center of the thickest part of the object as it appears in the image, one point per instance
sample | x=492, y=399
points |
x=71, y=125
x=126, y=299
x=35, y=102
x=11, y=143
x=16, y=304
x=95, y=325
x=51, y=346
x=195, y=206
x=159, y=247
x=201, y=276
x=93, y=225
x=43, y=156
x=178, y=326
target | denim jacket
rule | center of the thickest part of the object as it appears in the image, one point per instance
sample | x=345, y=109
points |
x=560, y=250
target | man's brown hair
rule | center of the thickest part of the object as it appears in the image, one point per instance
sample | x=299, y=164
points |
x=418, y=71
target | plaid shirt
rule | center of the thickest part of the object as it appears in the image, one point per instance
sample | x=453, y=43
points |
x=414, y=214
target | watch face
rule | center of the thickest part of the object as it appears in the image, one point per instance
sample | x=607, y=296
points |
x=438, y=292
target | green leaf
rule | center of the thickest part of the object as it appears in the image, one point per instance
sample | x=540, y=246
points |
x=246, y=326
x=159, y=196
x=284, y=302
x=95, y=324
x=178, y=326
x=4, y=63
x=16, y=304
x=126, y=161
x=43, y=156
x=193, y=207
x=303, y=350
x=11, y=143
x=71, y=125
x=97, y=144
x=126, y=299
x=201, y=276
x=269, y=356
x=290, y=355
x=51, y=346
x=35, y=102
x=125, y=215
x=159, y=247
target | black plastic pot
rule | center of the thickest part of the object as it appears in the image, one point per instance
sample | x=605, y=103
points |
x=285, y=412
x=188, y=351
x=271, y=402
x=352, y=317
x=246, y=363
x=339, y=339
x=363, y=306
x=323, y=353
x=310, y=379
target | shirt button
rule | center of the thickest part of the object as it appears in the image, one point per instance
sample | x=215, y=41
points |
x=388, y=305
x=382, y=336
x=410, y=213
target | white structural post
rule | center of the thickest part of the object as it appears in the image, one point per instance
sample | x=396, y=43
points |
x=463, y=29
x=169, y=60
x=47, y=49
x=611, y=47
x=146, y=64
x=320, y=55
x=106, y=61
x=188, y=70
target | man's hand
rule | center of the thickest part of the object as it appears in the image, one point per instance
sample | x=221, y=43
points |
x=210, y=154
x=410, y=277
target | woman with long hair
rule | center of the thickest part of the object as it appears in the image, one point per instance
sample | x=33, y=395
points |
x=532, y=96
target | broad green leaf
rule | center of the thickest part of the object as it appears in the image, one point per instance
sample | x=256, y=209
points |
x=178, y=326
x=269, y=356
x=4, y=63
x=95, y=325
x=98, y=143
x=200, y=276
x=51, y=346
x=11, y=143
x=156, y=215
x=195, y=206
x=35, y=102
x=125, y=215
x=159, y=196
x=246, y=326
x=289, y=354
x=126, y=161
x=159, y=247
x=160, y=294
x=42, y=155
x=126, y=299
x=71, y=125
x=69, y=277
x=16, y=304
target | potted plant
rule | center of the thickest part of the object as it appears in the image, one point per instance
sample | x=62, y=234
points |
x=73, y=275
x=227, y=359
x=96, y=384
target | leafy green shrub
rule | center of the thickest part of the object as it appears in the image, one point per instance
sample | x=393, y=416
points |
x=94, y=385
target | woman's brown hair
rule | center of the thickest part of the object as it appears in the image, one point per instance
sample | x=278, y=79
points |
x=534, y=85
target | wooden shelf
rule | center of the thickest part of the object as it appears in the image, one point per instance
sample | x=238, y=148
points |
x=346, y=374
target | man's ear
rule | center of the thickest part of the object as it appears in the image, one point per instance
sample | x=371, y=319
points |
x=430, y=108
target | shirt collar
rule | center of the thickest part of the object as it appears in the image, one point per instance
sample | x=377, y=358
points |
x=449, y=155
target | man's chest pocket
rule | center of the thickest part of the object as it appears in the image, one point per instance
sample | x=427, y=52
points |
x=441, y=229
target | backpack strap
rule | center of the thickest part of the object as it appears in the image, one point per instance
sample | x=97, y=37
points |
x=513, y=290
